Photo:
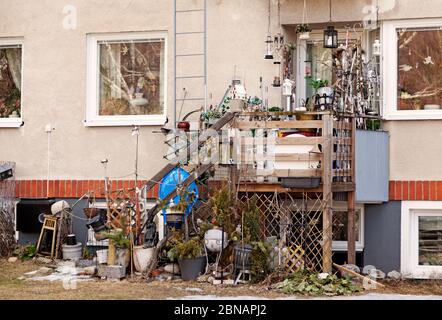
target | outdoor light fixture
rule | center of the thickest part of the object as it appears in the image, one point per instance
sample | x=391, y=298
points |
x=330, y=34
x=269, y=51
x=6, y=172
x=287, y=91
x=330, y=38
x=269, y=41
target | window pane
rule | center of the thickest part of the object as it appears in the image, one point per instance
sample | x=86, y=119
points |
x=131, y=78
x=430, y=241
x=340, y=223
x=10, y=82
x=420, y=69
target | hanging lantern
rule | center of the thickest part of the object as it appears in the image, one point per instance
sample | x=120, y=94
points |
x=330, y=38
x=287, y=87
x=269, y=50
x=377, y=48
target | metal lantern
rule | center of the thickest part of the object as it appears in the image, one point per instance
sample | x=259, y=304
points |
x=287, y=90
x=269, y=49
x=330, y=38
x=377, y=48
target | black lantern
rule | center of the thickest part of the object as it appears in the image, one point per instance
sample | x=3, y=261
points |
x=330, y=38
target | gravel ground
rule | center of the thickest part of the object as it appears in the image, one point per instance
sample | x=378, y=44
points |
x=12, y=288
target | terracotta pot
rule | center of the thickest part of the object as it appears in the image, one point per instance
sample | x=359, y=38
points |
x=183, y=125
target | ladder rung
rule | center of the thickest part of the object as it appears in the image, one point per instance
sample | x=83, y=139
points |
x=190, y=55
x=190, y=32
x=190, y=77
x=190, y=10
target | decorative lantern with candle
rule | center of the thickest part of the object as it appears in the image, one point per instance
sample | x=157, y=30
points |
x=377, y=48
x=330, y=38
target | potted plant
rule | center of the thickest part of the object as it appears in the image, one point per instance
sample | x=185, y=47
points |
x=323, y=92
x=214, y=113
x=190, y=256
x=254, y=104
x=304, y=31
x=122, y=245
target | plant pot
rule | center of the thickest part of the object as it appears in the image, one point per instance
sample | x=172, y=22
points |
x=102, y=256
x=304, y=36
x=325, y=99
x=122, y=256
x=72, y=252
x=301, y=182
x=71, y=240
x=184, y=125
x=192, y=268
x=142, y=257
x=213, y=121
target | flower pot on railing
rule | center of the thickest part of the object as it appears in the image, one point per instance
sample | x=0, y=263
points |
x=324, y=98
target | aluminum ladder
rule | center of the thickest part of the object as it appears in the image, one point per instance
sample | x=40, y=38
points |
x=180, y=13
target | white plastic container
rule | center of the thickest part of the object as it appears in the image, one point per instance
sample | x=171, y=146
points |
x=142, y=257
x=72, y=252
x=102, y=256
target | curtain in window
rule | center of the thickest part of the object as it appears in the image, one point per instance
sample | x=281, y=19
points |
x=13, y=55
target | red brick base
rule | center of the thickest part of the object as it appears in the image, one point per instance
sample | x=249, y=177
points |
x=71, y=188
x=416, y=190
x=399, y=190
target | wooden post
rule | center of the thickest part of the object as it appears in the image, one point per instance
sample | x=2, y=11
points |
x=327, y=133
x=351, y=201
x=351, y=239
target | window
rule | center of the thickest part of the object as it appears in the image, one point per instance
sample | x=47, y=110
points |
x=421, y=245
x=430, y=240
x=412, y=69
x=10, y=83
x=340, y=224
x=126, y=79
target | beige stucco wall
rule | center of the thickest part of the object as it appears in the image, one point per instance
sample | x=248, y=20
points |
x=54, y=74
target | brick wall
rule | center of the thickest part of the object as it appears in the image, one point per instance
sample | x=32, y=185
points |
x=399, y=190
x=71, y=188
x=416, y=190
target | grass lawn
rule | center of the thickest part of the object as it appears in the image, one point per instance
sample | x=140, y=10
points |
x=12, y=288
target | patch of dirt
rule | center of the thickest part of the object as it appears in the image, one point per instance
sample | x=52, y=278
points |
x=414, y=287
x=12, y=288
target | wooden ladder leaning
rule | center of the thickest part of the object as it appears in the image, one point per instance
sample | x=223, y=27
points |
x=50, y=224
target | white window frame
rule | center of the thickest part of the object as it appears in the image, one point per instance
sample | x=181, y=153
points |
x=14, y=122
x=92, y=117
x=390, y=69
x=410, y=212
x=343, y=245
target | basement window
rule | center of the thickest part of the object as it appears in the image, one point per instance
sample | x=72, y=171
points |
x=126, y=79
x=340, y=234
x=10, y=82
